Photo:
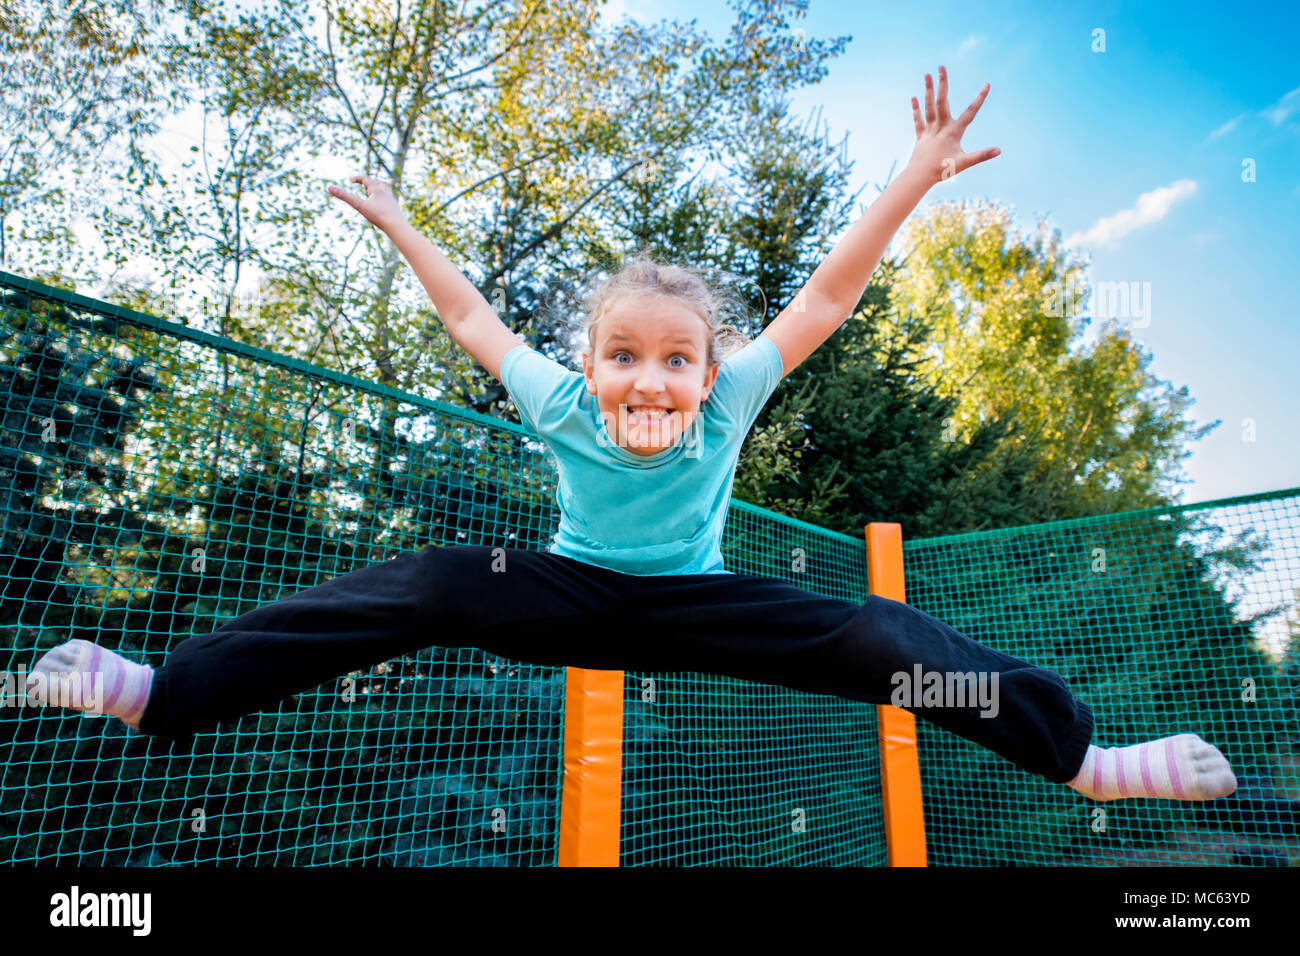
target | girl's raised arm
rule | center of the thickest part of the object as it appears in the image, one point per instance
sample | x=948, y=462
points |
x=469, y=318
x=834, y=289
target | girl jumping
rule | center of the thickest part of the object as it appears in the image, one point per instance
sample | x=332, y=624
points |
x=646, y=440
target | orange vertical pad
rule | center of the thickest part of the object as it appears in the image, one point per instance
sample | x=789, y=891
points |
x=900, y=765
x=593, y=767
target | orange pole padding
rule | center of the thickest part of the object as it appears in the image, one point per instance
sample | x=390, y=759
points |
x=900, y=764
x=593, y=767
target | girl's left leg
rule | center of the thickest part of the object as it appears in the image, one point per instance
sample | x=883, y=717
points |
x=888, y=652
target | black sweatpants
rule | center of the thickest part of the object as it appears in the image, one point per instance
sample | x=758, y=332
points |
x=542, y=608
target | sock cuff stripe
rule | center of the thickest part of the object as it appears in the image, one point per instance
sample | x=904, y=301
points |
x=141, y=696
x=1175, y=779
x=118, y=677
x=95, y=666
x=1144, y=761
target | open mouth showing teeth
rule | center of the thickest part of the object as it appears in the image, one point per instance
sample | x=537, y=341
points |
x=646, y=413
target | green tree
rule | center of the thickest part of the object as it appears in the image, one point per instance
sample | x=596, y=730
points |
x=854, y=434
x=1110, y=435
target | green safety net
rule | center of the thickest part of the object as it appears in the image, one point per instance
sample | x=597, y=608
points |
x=755, y=774
x=1165, y=621
x=160, y=480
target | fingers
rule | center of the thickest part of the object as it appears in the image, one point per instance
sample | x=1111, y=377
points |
x=916, y=118
x=938, y=111
x=974, y=159
x=942, y=105
x=969, y=113
x=367, y=181
x=340, y=193
x=372, y=187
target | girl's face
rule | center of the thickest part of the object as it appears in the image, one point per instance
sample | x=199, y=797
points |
x=649, y=371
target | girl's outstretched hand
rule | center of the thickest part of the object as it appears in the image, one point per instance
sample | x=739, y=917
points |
x=938, y=154
x=380, y=208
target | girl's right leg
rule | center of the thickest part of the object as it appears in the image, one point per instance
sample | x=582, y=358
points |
x=446, y=596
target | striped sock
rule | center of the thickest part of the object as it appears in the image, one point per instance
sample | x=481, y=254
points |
x=1181, y=767
x=84, y=676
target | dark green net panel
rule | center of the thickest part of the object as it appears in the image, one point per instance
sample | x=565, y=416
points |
x=159, y=480
x=1168, y=621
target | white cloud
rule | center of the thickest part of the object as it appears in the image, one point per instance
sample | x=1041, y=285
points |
x=968, y=44
x=1150, y=208
x=1276, y=113
x=1282, y=110
x=1226, y=127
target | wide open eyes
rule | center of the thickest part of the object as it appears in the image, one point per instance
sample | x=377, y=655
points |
x=678, y=355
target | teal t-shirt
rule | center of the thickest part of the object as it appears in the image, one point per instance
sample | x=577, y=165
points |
x=642, y=514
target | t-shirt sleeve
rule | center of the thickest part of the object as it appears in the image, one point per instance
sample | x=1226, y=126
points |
x=537, y=384
x=746, y=379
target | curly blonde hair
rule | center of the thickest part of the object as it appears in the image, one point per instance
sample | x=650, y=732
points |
x=643, y=275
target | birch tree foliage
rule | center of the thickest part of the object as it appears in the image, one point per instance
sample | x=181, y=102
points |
x=507, y=131
x=514, y=134
x=75, y=76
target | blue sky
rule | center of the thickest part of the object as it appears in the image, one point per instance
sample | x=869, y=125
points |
x=1134, y=153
